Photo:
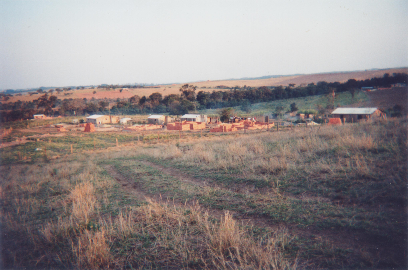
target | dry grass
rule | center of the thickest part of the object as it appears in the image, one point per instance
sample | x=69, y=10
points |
x=91, y=250
x=83, y=202
x=72, y=214
x=196, y=240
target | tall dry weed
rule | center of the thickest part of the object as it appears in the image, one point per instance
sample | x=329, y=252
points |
x=221, y=245
x=83, y=201
x=91, y=250
x=364, y=142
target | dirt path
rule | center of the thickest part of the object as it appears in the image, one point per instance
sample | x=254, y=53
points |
x=177, y=174
x=128, y=184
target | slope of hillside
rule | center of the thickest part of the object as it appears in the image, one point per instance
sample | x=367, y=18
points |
x=305, y=79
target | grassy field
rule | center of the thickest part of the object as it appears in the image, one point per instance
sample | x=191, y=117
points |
x=328, y=197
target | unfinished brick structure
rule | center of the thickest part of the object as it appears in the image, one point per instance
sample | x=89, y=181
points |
x=334, y=121
x=244, y=124
x=185, y=125
x=143, y=127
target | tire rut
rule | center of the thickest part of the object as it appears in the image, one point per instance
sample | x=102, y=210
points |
x=127, y=183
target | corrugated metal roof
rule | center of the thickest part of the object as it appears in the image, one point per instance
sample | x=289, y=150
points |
x=190, y=116
x=155, y=116
x=354, y=111
x=95, y=116
x=125, y=119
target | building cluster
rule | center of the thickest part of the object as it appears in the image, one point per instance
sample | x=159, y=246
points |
x=199, y=122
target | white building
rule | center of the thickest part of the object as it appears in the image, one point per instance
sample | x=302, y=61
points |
x=194, y=118
x=125, y=121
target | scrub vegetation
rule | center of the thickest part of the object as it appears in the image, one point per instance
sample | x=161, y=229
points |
x=326, y=197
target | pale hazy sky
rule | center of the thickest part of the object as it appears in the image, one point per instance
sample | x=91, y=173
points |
x=62, y=43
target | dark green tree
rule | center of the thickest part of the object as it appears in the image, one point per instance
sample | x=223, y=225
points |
x=188, y=92
x=293, y=107
x=225, y=114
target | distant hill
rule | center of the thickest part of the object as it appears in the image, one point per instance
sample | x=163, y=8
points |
x=209, y=86
x=302, y=79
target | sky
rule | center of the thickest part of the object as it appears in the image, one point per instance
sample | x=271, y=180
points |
x=58, y=43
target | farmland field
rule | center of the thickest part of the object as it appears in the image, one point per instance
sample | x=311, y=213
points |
x=326, y=197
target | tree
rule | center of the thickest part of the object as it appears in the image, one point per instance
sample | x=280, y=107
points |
x=142, y=101
x=188, y=92
x=203, y=97
x=103, y=104
x=91, y=107
x=155, y=98
x=293, y=107
x=225, y=114
x=352, y=92
x=279, y=110
x=47, y=103
x=216, y=96
x=135, y=99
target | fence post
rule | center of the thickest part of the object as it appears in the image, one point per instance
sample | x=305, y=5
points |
x=179, y=134
x=71, y=150
x=117, y=143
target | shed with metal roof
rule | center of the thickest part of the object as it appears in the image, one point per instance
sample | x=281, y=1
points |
x=157, y=119
x=356, y=114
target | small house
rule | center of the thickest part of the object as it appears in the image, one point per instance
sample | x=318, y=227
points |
x=194, y=118
x=156, y=119
x=125, y=121
x=39, y=116
x=98, y=119
x=356, y=114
